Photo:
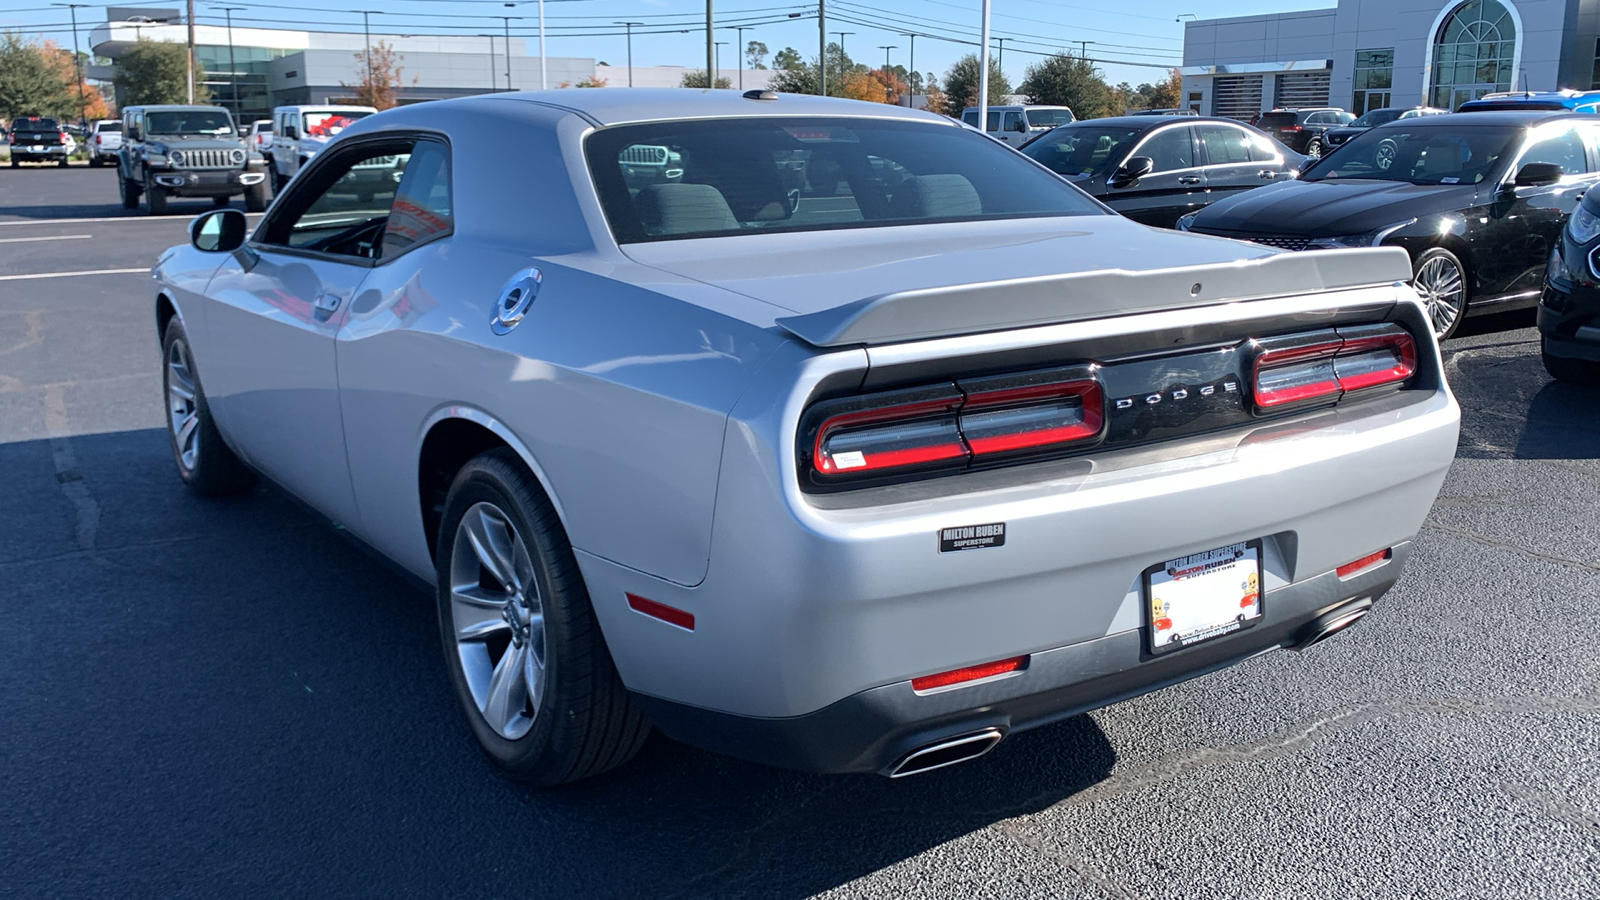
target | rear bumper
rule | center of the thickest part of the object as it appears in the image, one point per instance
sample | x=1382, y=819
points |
x=870, y=731
x=49, y=153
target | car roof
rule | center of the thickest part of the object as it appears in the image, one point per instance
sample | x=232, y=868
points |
x=1519, y=117
x=1153, y=121
x=162, y=107
x=614, y=106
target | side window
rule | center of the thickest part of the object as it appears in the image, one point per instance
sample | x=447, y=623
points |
x=1263, y=148
x=1224, y=145
x=343, y=208
x=1013, y=122
x=422, y=206
x=1564, y=149
x=1169, y=149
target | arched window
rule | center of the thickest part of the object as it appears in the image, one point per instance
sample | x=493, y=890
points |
x=1473, y=53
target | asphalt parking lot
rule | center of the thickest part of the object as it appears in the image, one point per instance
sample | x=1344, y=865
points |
x=203, y=698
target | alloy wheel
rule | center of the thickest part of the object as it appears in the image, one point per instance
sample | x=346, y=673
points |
x=183, y=408
x=1314, y=149
x=1385, y=155
x=1443, y=289
x=497, y=620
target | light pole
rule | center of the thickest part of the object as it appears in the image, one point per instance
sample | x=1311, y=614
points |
x=712, y=81
x=711, y=50
x=841, y=35
x=366, y=30
x=915, y=79
x=741, y=29
x=1083, y=49
x=494, y=70
x=629, y=26
x=1002, y=55
x=983, y=72
x=886, y=48
x=190, y=59
x=77, y=65
x=822, y=48
x=544, y=70
x=233, y=67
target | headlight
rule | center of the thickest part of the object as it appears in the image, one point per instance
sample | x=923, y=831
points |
x=175, y=157
x=156, y=159
x=1187, y=220
x=1364, y=239
x=1584, y=225
x=238, y=157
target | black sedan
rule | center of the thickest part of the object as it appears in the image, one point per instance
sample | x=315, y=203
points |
x=1477, y=199
x=1569, y=309
x=1337, y=137
x=1154, y=169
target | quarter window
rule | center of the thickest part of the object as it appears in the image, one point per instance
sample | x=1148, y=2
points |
x=1169, y=150
x=422, y=206
x=1224, y=145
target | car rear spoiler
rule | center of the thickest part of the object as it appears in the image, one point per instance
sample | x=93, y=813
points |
x=1052, y=299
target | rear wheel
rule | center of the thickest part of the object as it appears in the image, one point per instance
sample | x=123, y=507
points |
x=1441, y=279
x=62, y=162
x=205, y=463
x=524, y=651
x=1573, y=371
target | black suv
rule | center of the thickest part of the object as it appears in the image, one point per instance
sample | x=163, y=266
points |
x=37, y=139
x=186, y=151
x=1302, y=129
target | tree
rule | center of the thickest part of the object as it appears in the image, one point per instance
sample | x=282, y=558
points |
x=62, y=64
x=28, y=84
x=875, y=86
x=796, y=77
x=157, y=72
x=1166, y=93
x=593, y=82
x=787, y=58
x=755, y=54
x=1068, y=80
x=934, y=100
x=961, y=84
x=696, y=78
x=378, y=77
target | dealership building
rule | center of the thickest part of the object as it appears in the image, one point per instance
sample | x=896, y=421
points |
x=1369, y=54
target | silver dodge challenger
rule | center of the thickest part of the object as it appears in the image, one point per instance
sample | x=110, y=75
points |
x=820, y=433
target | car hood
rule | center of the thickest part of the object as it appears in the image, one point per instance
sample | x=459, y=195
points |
x=1345, y=132
x=880, y=285
x=1331, y=207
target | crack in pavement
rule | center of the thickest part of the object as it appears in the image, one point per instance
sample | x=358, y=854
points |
x=1514, y=548
x=67, y=475
x=33, y=322
x=1556, y=808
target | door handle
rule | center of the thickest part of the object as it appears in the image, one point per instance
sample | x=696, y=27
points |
x=1188, y=179
x=326, y=305
x=1267, y=173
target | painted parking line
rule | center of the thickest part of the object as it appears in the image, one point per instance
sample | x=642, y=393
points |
x=57, y=237
x=70, y=274
x=177, y=219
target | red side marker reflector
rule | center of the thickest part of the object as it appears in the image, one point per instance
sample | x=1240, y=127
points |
x=1365, y=562
x=670, y=615
x=970, y=673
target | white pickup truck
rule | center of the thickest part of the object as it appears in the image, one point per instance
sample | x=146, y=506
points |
x=300, y=132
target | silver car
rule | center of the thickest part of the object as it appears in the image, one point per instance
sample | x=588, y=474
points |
x=821, y=433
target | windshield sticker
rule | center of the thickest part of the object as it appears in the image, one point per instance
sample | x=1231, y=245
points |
x=1451, y=180
x=972, y=537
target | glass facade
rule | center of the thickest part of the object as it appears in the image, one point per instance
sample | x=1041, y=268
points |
x=1374, y=79
x=249, y=68
x=1473, y=54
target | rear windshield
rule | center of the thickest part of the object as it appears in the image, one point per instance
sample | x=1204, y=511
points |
x=1049, y=118
x=188, y=121
x=1465, y=154
x=1082, y=149
x=328, y=124
x=36, y=125
x=1275, y=120
x=108, y=126
x=1378, y=117
x=674, y=180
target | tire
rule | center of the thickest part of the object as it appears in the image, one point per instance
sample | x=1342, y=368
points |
x=1314, y=149
x=63, y=162
x=1433, y=273
x=130, y=193
x=575, y=719
x=94, y=162
x=205, y=463
x=221, y=202
x=1572, y=371
x=278, y=181
x=255, y=197
x=155, y=197
x=15, y=163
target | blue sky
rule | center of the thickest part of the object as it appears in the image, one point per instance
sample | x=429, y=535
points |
x=1132, y=41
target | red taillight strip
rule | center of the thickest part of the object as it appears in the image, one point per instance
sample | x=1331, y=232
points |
x=1406, y=366
x=970, y=673
x=669, y=614
x=1268, y=360
x=826, y=464
x=1091, y=416
x=1341, y=378
x=1366, y=562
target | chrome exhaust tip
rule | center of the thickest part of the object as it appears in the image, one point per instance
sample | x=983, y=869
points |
x=945, y=753
x=1332, y=622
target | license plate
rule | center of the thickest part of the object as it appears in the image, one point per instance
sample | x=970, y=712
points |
x=1203, y=596
x=37, y=147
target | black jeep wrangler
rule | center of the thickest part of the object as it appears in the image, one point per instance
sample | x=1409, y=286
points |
x=187, y=151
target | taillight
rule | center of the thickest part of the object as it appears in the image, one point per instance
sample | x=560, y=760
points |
x=951, y=425
x=1323, y=366
x=1290, y=128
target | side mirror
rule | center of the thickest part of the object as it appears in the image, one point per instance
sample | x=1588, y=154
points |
x=289, y=131
x=218, y=231
x=1132, y=170
x=1538, y=174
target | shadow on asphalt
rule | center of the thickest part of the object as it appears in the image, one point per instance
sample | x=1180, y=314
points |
x=175, y=209
x=223, y=696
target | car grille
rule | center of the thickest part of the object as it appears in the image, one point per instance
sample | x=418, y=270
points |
x=209, y=159
x=644, y=155
x=381, y=162
x=1281, y=241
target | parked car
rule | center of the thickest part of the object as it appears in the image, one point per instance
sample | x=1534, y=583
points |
x=1477, y=199
x=300, y=132
x=186, y=151
x=1548, y=101
x=104, y=142
x=1301, y=130
x=1155, y=169
x=1569, y=308
x=260, y=137
x=1336, y=137
x=730, y=458
x=1016, y=125
x=1161, y=112
x=38, y=139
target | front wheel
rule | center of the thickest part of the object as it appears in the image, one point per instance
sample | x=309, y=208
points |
x=130, y=193
x=205, y=463
x=525, y=654
x=155, y=197
x=1314, y=149
x=1572, y=371
x=255, y=196
x=1441, y=279
x=221, y=202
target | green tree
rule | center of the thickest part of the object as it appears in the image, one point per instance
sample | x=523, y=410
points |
x=696, y=78
x=796, y=77
x=1068, y=80
x=755, y=55
x=157, y=72
x=961, y=84
x=787, y=58
x=29, y=84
